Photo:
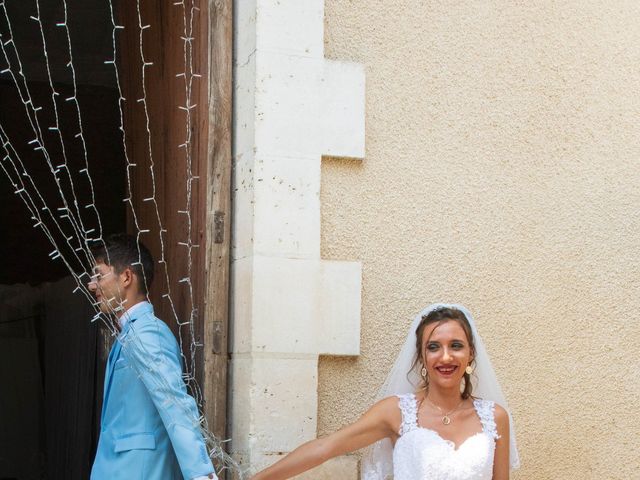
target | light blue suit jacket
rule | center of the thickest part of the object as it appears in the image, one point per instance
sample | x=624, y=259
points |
x=150, y=427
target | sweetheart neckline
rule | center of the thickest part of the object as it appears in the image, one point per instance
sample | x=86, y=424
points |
x=475, y=404
x=451, y=443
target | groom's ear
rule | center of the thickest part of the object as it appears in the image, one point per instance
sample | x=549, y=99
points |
x=127, y=277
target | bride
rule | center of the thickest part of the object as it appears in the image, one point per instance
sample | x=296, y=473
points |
x=441, y=417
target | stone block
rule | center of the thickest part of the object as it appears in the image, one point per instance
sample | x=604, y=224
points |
x=240, y=404
x=305, y=306
x=274, y=402
x=342, y=109
x=304, y=32
x=287, y=116
x=243, y=205
x=287, y=208
x=285, y=316
x=241, y=305
x=339, y=308
x=244, y=29
x=244, y=109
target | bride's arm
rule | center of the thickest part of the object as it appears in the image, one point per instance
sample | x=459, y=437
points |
x=380, y=421
x=501, y=456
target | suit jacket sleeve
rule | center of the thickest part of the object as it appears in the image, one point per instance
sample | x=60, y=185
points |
x=151, y=349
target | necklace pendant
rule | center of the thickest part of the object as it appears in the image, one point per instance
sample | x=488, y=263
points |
x=446, y=420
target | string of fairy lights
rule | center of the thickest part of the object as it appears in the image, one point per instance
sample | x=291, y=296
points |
x=67, y=227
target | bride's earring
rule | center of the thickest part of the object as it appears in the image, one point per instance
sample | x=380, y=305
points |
x=469, y=369
x=423, y=372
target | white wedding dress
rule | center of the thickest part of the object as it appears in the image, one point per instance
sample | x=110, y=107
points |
x=422, y=454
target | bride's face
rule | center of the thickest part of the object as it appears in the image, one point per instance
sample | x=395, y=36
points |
x=446, y=352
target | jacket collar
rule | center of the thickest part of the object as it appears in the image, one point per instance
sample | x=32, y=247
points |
x=133, y=313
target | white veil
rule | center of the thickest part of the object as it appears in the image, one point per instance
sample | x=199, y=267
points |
x=377, y=463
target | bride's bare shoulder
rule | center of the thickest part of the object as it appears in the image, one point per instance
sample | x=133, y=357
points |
x=389, y=408
x=501, y=418
x=388, y=412
x=388, y=403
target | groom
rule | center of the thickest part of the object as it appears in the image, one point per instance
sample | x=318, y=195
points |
x=150, y=426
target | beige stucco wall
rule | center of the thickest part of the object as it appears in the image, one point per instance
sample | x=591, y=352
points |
x=502, y=171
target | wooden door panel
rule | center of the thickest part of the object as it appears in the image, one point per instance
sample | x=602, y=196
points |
x=159, y=180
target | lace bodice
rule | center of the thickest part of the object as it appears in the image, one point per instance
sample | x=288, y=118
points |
x=422, y=454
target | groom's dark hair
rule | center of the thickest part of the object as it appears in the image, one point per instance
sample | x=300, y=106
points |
x=122, y=251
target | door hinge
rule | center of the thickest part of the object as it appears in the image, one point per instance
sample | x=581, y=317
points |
x=218, y=227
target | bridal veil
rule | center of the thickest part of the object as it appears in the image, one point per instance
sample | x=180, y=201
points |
x=377, y=463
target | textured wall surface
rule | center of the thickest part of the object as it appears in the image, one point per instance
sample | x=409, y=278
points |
x=502, y=172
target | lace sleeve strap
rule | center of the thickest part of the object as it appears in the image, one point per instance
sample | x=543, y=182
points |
x=486, y=412
x=409, y=408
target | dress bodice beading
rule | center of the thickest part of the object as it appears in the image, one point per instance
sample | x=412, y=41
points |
x=422, y=454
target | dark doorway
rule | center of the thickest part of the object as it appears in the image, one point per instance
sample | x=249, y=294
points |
x=62, y=354
x=51, y=355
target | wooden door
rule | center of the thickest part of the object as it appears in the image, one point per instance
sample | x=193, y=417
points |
x=176, y=143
